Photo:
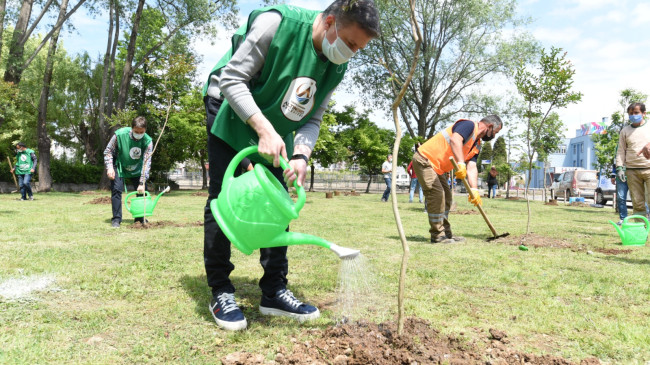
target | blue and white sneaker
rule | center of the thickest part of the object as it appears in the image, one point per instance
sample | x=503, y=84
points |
x=284, y=303
x=226, y=313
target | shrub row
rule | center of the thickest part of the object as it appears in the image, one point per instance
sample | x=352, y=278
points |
x=62, y=172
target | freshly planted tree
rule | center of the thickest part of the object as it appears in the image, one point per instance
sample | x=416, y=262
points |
x=545, y=90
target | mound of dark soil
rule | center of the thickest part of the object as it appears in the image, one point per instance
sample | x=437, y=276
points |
x=199, y=193
x=162, y=224
x=534, y=240
x=368, y=343
x=551, y=202
x=101, y=200
x=613, y=251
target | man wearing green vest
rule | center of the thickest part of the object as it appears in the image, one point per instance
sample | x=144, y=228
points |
x=271, y=89
x=24, y=168
x=123, y=155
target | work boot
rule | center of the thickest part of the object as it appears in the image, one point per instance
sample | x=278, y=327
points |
x=442, y=239
x=284, y=303
x=455, y=238
x=226, y=313
x=115, y=223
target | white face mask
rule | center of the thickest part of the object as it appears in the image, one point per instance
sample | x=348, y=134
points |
x=339, y=52
x=138, y=136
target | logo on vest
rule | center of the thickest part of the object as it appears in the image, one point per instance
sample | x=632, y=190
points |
x=23, y=158
x=299, y=99
x=135, y=153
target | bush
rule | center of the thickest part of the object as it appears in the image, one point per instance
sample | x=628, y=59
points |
x=75, y=173
x=5, y=174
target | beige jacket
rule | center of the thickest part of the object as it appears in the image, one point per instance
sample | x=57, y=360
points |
x=630, y=142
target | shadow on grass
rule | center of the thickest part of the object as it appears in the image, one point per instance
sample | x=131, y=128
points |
x=627, y=260
x=8, y=211
x=248, y=296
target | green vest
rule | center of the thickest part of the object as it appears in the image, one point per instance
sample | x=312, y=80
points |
x=130, y=152
x=24, y=163
x=291, y=86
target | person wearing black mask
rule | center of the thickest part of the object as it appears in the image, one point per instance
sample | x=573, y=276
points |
x=431, y=164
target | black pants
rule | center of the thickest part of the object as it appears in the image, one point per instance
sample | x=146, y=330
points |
x=216, y=246
x=117, y=187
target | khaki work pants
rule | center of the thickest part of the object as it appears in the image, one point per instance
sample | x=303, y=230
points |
x=437, y=196
x=638, y=181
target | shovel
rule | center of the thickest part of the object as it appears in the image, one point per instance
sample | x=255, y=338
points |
x=480, y=209
x=12, y=174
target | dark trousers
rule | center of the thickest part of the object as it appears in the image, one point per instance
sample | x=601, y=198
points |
x=216, y=246
x=386, y=194
x=117, y=187
x=25, y=187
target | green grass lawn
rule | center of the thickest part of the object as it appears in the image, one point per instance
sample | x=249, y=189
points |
x=126, y=295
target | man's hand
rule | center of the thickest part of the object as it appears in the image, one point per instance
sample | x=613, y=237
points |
x=297, y=170
x=32, y=171
x=110, y=173
x=475, y=197
x=141, y=189
x=271, y=145
x=12, y=169
x=620, y=173
x=461, y=173
x=645, y=151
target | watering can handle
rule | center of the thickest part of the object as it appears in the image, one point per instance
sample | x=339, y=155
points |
x=234, y=164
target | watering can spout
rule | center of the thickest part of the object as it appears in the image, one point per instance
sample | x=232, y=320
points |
x=296, y=238
x=155, y=201
x=621, y=233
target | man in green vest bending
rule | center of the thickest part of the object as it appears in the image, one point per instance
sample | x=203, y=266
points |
x=271, y=89
x=24, y=168
x=124, y=160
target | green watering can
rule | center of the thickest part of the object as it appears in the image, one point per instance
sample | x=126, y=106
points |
x=633, y=233
x=254, y=210
x=137, y=205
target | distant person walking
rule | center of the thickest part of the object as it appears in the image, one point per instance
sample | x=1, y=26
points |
x=631, y=167
x=492, y=182
x=415, y=185
x=124, y=154
x=386, y=169
x=24, y=168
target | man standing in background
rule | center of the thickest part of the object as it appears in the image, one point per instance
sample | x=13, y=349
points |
x=25, y=162
x=386, y=169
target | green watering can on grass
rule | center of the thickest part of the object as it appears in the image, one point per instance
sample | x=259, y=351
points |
x=137, y=205
x=254, y=210
x=633, y=233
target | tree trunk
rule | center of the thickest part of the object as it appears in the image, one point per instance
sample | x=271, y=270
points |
x=3, y=7
x=85, y=138
x=311, y=182
x=44, y=142
x=17, y=46
x=368, y=186
x=108, y=82
x=204, y=171
x=127, y=72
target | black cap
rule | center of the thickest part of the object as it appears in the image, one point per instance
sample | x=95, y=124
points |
x=20, y=144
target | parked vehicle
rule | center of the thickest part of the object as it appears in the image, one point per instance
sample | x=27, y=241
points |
x=575, y=183
x=606, y=189
x=402, y=179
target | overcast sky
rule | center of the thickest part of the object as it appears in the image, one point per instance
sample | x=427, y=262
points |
x=607, y=41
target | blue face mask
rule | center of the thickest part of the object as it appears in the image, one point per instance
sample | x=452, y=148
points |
x=636, y=118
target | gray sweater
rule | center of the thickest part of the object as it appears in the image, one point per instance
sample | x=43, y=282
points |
x=246, y=64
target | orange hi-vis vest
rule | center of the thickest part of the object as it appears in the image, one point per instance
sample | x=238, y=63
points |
x=438, y=149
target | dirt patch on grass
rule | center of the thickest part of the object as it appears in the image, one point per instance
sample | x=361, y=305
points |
x=465, y=212
x=613, y=251
x=101, y=200
x=535, y=240
x=369, y=343
x=199, y=193
x=163, y=224
x=514, y=198
x=351, y=193
x=551, y=202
